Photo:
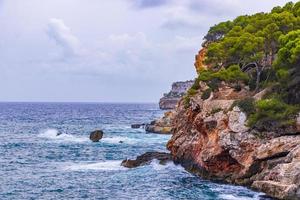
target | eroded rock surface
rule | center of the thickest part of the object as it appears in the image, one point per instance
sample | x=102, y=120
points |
x=163, y=125
x=211, y=139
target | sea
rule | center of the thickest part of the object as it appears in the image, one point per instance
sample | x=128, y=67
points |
x=37, y=163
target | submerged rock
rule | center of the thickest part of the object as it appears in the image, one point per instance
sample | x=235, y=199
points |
x=96, y=135
x=146, y=158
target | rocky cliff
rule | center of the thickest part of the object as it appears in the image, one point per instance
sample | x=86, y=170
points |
x=240, y=121
x=178, y=90
x=211, y=139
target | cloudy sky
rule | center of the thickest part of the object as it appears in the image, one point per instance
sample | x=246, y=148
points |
x=105, y=50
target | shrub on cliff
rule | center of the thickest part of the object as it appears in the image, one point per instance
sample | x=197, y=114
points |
x=246, y=105
x=232, y=74
x=273, y=110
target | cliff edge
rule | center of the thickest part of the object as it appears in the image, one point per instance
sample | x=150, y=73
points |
x=240, y=121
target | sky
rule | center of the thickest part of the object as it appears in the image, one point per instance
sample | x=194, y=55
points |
x=105, y=50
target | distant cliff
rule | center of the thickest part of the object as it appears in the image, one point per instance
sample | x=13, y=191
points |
x=178, y=90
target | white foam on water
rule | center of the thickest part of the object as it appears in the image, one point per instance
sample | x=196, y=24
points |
x=51, y=134
x=119, y=139
x=233, y=197
x=156, y=166
x=99, y=166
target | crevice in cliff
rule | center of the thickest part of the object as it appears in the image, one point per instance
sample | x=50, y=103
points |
x=223, y=163
x=275, y=156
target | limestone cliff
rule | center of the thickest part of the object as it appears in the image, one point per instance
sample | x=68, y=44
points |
x=178, y=90
x=240, y=121
x=211, y=138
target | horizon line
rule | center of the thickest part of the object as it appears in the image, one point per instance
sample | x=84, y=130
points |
x=91, y=102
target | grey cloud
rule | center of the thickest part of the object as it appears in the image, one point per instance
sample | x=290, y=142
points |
x=215, y=7
x=150, y=3
x=180, y=16
x=174, y=24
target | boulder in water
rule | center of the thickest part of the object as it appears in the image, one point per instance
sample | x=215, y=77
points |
x=146, y=158
x=96, y=135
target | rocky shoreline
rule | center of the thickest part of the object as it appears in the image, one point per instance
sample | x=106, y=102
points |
x=239, y=122
x=211, y=139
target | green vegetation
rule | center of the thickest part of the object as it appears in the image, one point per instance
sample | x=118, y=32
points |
x=231, y=74
x=273, y=110
x=260, y=50
x=246, y=105
x=186, y=101
x=252, y=41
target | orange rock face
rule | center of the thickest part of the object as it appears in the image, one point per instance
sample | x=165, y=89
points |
x=199, y=60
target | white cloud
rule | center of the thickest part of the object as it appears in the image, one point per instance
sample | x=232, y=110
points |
x=62, y=35
x=107, y=46
x=187, y=44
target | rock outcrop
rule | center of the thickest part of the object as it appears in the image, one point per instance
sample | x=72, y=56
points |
x=211, y=139
x=96, y=135
x=146, y=158
x=179, y=89
x=163, y=125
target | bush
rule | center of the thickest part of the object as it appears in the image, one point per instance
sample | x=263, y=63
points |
x=186, y=101
x=192, y=92
x=252, y=84
x=205, y=75
x=273, y=109
x=206, y=94
x=232, y=74
x=246, y=105
x=214, y=84
x=196, y=85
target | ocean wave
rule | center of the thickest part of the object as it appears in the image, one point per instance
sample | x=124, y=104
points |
x=119, y=139
x=99, y=166
x=52, y=134
x=169, y=165
x=234, y=197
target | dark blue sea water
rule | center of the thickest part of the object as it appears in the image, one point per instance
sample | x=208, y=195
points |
x=37, y=164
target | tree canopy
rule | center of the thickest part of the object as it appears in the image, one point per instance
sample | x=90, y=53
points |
x=258, y=50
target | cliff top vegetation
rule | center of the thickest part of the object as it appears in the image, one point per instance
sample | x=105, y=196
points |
x=258, y=51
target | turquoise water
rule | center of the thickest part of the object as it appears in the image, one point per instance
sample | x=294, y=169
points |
x=37, y=164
